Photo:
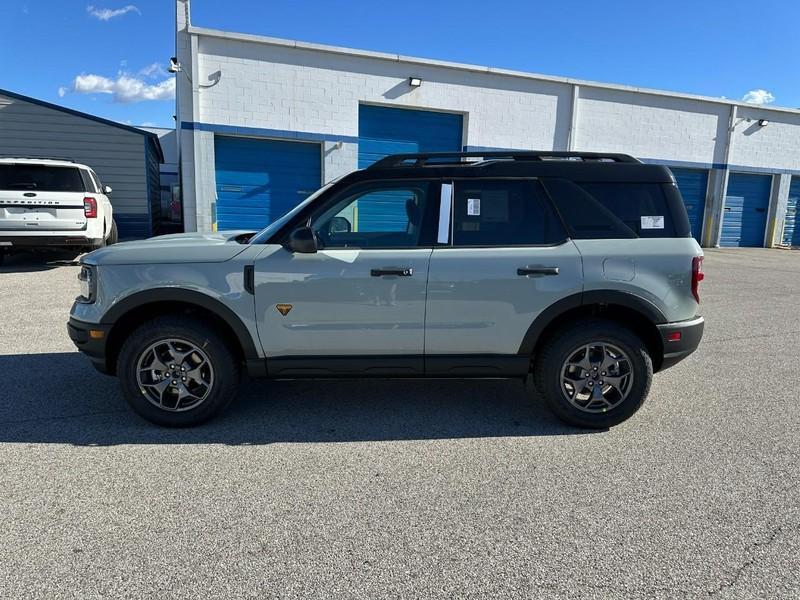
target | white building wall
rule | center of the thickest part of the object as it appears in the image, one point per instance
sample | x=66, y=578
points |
x=275, y=87
x=651, y=127
x=774, y=147
x=250, y=85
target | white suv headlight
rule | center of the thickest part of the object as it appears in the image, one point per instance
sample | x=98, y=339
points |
x=88, y=280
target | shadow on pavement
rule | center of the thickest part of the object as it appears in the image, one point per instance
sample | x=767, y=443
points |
x=40, y=260
x=60, y=398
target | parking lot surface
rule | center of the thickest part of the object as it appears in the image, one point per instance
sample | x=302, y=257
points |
x=402, y=488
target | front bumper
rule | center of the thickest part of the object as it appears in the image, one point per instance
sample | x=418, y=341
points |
x=90, y=338
x=675, y=350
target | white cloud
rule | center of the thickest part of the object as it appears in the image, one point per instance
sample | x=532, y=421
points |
x=154, y=71
x=125, y=88
x=758, y=97
x=106, y=14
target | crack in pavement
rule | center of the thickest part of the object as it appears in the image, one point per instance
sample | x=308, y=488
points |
x=751, y=549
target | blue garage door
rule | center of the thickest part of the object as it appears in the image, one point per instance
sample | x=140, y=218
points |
x=693, y=184
x=791, y=227
x=383, y=131
x=260, y=180
x=745, y=218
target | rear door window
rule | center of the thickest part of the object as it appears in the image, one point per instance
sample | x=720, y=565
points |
x=503, y=213
x=608, y=210
x=40, y=178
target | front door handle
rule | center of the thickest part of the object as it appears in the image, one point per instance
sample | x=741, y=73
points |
x=391, y=271
x=534, y=271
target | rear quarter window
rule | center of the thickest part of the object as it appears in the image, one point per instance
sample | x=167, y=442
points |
x=608, y=210
x=88, y=181
x=40, y=178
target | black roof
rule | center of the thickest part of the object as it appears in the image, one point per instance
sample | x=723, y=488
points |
x=577, y=166
x=149, y=134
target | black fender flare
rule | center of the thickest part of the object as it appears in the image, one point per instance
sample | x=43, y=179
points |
x=641, y=305
x=196, y=298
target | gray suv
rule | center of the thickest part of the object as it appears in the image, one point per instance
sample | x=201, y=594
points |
x=576, y=268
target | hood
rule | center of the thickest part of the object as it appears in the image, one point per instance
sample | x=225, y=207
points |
x=170, y=249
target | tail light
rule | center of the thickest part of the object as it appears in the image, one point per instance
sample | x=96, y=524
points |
x=90, y=208
x=697, y=276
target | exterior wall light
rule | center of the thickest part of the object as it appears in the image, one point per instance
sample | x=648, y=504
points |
x=763, y=122
x=414, y=81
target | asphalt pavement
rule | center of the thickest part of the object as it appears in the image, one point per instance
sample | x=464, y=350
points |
x=397, y=488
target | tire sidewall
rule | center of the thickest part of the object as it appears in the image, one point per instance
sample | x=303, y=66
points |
x=113, y=236
x=226, y=370
x=563, y=346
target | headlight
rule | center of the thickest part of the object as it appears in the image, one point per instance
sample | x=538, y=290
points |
x=88, y=280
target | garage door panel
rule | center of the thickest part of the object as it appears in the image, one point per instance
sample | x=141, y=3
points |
x=744, y=220
x=260, y=180
x=693, y=184
x=386, y=130
x=791, y=227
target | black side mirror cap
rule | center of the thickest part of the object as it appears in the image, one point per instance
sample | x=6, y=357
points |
x=303, y=240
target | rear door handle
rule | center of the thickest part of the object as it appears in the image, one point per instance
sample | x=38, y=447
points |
x=390, y=271
x=534, y=271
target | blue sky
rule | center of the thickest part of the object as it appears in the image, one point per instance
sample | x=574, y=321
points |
x=108, y=57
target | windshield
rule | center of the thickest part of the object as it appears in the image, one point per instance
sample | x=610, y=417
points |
x=263, y=235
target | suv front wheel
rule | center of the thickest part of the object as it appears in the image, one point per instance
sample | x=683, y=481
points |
x=177, y=372
x=594, y=373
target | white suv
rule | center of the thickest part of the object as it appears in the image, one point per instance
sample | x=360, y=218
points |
x=52, y=203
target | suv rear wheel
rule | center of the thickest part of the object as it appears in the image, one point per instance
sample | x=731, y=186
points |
x=177, y=372
x=594, y=373
x=113, y=237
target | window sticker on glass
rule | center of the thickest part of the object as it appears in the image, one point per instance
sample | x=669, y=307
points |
x=474, y=207
x=653, y=222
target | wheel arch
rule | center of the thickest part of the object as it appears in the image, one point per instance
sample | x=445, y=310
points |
x=142, y=306
x=634, y=312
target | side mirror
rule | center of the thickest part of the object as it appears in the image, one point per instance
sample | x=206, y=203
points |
x=303, y=240
x=107, y=190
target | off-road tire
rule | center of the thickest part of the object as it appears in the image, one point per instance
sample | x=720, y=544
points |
x=226, y=369
x=547, y=371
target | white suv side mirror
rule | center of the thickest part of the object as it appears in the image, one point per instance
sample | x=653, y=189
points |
x=107, y=190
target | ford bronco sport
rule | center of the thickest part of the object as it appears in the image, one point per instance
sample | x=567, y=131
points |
x=577, y=268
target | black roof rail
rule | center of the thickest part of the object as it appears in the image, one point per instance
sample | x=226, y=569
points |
x=38, y=157
x=441, y=158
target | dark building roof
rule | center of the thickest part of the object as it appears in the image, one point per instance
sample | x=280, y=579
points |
x=149, y=134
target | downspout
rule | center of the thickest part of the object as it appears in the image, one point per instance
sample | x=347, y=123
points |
x=573, y=117
x=715, y=231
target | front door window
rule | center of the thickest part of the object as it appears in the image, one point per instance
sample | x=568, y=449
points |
x=385, y=216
